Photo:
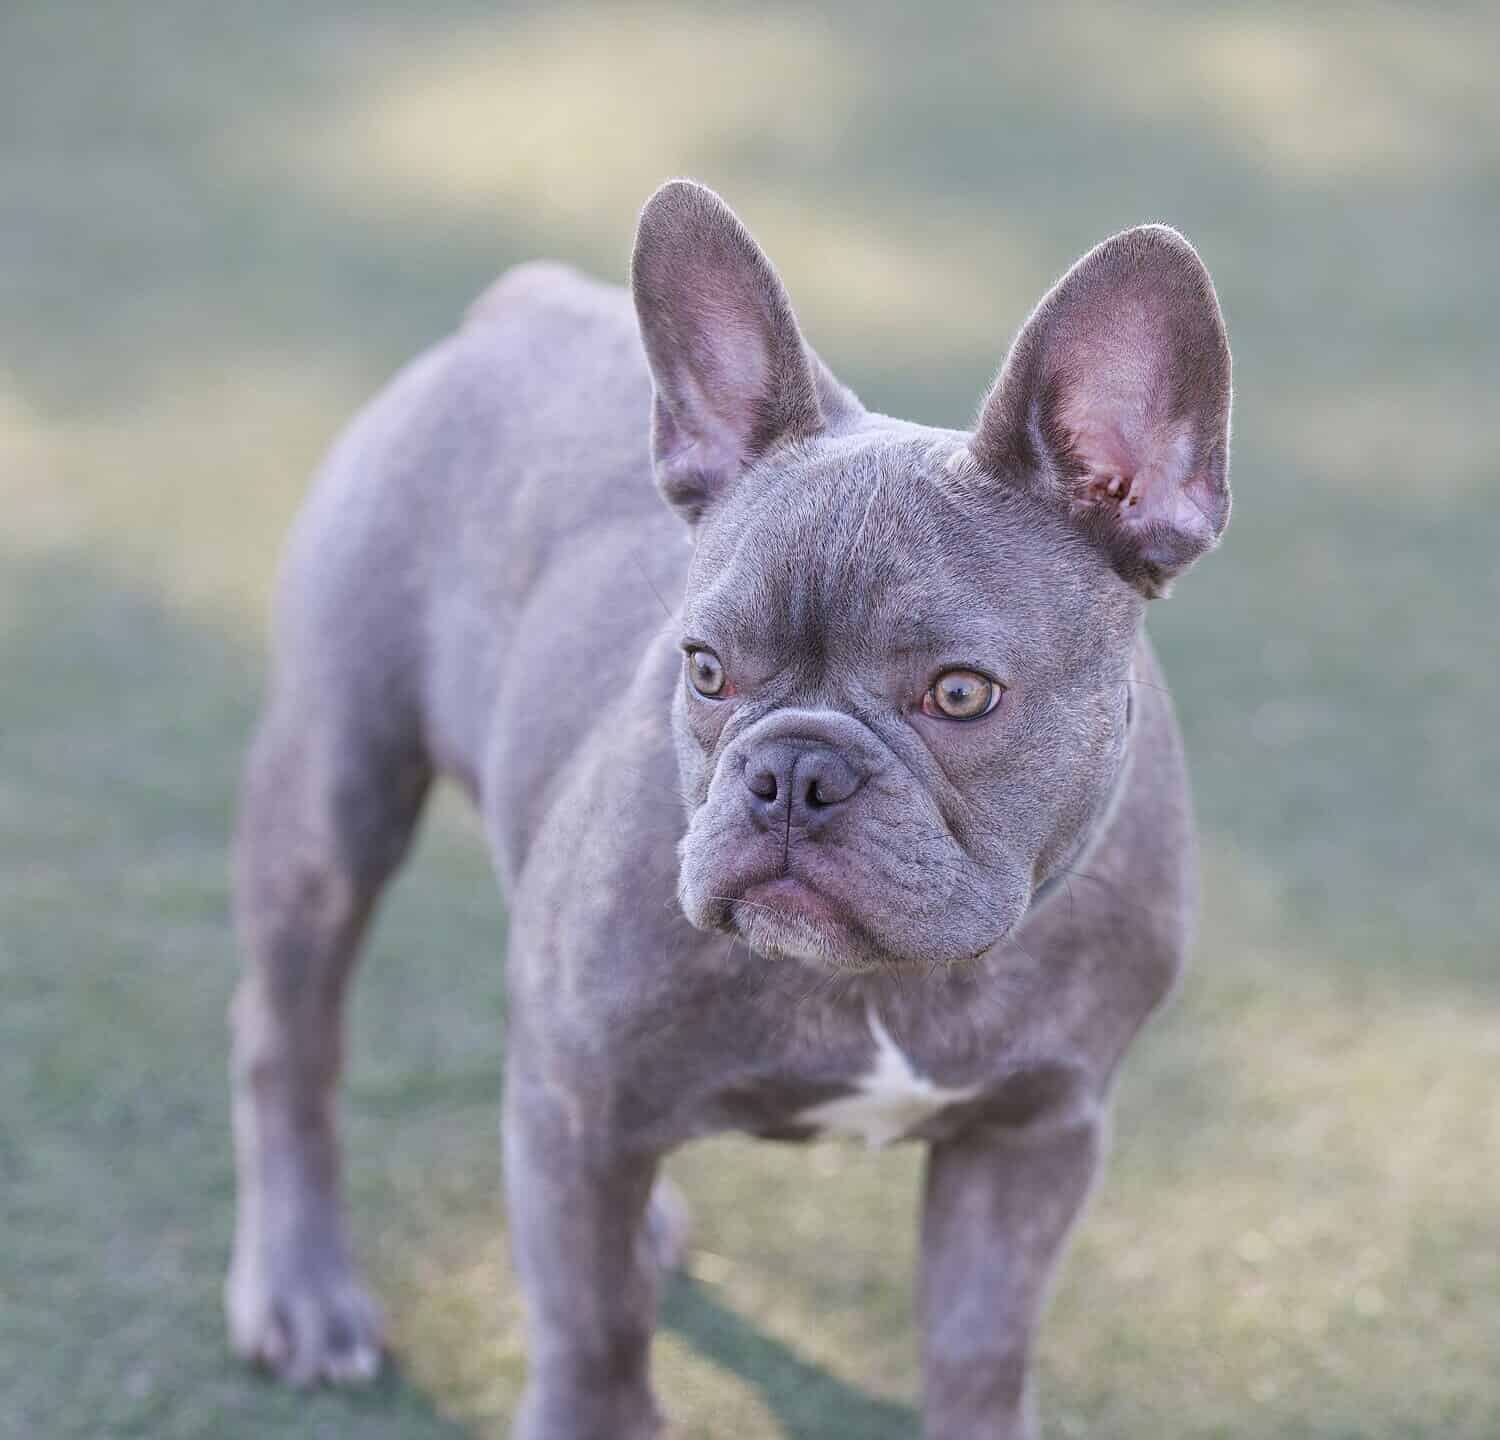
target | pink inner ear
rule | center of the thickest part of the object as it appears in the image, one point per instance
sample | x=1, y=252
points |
x=1114, y=404
x=1138, y=467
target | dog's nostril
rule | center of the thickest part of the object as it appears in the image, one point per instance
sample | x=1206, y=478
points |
x=762, y=784
x=831, y=783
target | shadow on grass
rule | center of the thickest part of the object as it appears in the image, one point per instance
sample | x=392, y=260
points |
x=809, y=1402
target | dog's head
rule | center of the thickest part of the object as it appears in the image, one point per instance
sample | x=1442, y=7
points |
x=906, y=651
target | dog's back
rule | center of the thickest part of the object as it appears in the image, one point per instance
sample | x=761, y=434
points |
x=439, y=521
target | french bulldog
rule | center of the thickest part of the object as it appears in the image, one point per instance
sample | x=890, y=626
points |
x=839, y=793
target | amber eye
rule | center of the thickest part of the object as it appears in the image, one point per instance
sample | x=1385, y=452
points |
x=705, y=673
x=961, y=695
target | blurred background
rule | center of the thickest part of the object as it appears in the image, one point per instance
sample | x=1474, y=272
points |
x=221, y=227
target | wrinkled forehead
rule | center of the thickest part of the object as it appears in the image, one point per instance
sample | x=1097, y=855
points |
x=866, y=545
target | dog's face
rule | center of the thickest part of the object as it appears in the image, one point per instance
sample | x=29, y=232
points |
x=900, y=706
x=906, y=652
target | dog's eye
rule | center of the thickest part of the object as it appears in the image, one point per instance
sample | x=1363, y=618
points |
x=705, y=673
x=961, y=695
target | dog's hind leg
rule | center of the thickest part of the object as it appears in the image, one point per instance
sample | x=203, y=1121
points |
x=328, y=808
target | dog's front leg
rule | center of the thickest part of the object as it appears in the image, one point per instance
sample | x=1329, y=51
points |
x=588, y=1262
x=997, y=1209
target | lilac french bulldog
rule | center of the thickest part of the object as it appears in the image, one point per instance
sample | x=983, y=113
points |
x=838, y=698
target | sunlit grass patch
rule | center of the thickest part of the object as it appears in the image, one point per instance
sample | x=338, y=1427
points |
x=1313, y=95
x=572, y=113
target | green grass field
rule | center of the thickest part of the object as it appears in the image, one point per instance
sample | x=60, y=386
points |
x=221, y=227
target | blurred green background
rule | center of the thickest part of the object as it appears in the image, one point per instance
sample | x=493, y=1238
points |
x=222, y=226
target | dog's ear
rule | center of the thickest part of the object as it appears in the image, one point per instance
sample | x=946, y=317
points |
x=1114, y=405
x=732, y=375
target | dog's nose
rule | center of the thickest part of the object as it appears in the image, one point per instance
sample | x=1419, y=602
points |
x=808, y=779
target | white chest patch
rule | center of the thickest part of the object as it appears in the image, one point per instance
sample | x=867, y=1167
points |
x=889, y=1100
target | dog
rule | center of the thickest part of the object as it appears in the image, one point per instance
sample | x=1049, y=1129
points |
x=840, y=792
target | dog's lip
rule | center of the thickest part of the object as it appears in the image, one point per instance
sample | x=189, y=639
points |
x=787, y=895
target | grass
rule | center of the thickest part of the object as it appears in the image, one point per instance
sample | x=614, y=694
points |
x=222, y=226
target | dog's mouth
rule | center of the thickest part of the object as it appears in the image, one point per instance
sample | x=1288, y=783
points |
x=787, y=916
x=792, y=918
x=788, y=898
x=812, y=913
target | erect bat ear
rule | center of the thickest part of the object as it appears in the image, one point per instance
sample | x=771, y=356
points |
x=1113, y=404
x=732, y=374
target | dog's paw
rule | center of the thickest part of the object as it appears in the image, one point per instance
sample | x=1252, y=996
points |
x=321, y=1326
x=669, y=1226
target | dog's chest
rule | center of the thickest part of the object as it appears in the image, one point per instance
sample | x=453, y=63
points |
x=889, y=1100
